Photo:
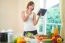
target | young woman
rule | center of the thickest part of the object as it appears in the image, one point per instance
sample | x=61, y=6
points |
x=29, y=19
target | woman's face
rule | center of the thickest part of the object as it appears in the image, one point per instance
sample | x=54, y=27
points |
x=31, y=7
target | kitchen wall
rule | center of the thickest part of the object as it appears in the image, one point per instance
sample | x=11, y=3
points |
x=10, y=15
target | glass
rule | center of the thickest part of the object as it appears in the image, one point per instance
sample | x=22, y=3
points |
x=53, y=15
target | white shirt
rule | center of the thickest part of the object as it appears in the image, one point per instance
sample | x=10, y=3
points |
x=28, y=25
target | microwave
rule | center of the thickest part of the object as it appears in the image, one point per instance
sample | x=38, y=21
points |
x=3, y=37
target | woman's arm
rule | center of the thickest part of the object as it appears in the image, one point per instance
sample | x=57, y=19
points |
x=35, y=21
x=24, y=17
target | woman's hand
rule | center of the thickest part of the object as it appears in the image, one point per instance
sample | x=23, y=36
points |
x=40, y=14
x=35, y=21
x=25, y=16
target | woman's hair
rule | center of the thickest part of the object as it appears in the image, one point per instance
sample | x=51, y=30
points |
x=30, y=3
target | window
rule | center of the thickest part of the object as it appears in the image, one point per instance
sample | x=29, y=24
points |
x=51, y=18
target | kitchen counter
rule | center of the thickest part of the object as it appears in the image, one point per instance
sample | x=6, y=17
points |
x=38, y=41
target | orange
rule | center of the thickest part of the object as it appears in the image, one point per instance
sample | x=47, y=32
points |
x=20, y=40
